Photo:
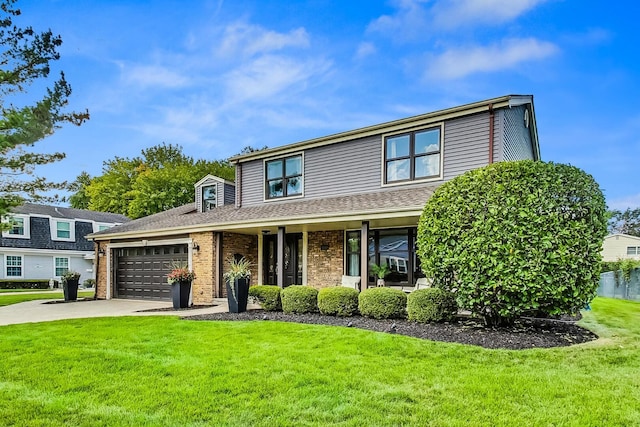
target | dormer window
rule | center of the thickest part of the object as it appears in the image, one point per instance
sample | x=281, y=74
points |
x=19, y=227
x=63, y=230
x=209, y=197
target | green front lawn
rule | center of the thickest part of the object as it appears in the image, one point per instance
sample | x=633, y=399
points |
x=166, y=371
x=14, y=299
x=2, y=291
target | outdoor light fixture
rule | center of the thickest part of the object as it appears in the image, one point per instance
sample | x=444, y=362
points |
x=101, y=252
x=265, y=232
x=195, y=246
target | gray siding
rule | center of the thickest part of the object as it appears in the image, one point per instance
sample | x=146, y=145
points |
x=229, y=194
x=36, y=266
x=517, y=138
x=355, y=166
x=466, y=144
x=347, y=168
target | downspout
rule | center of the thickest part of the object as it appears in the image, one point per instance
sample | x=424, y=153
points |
x=492, y=116
x=95, y=285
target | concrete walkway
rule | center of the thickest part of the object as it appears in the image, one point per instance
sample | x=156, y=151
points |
x=37, y=311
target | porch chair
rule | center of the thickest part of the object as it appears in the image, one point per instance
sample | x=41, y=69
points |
x=423, y=283
x=351, y=282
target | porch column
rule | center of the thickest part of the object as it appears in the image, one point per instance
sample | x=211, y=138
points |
x=364, y=255
x=305, y=253
x=260, y=278
x=280, y=257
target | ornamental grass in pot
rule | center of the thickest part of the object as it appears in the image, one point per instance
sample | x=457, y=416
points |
x=180, y=279
x=237, y=278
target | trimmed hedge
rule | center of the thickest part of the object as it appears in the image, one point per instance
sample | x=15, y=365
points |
x=515, y=236
x=268, y=296
x=25, y=284
x=431, y=305
x=298, y=299
x=338, y=301
x=382, y=303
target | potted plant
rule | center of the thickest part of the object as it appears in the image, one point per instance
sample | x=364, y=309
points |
x=70, y=281
x=238, y=277
x=180, y=279
x=381, y=271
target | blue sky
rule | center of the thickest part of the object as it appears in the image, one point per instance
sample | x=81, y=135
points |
x=215, y=76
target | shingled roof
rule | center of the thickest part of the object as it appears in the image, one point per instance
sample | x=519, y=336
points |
x=69, y=213
x=186, y=218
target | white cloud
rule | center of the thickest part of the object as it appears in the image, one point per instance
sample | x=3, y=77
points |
x=248, y=40
x=365, y=49
x=153, y=76
x=458, y=63
x=459, y=13
x=416, y=19
x=270, y=75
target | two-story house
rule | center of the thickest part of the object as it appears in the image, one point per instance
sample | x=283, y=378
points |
x=313, y=211
x=46, y=241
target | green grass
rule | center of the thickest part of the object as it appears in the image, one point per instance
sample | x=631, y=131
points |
x=166, y=371
x=28, y=290
x=14, y=299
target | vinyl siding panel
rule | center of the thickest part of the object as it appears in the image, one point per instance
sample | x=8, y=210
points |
x=252, y=183
x=615, y=247
x=466, y=144
x=229, y=194
x=341, y=169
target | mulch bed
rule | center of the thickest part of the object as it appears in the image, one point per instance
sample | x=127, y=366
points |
x=525, y=333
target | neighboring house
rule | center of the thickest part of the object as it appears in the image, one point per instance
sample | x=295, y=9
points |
x=311, y=212
x=620, y=246
x=46, y=241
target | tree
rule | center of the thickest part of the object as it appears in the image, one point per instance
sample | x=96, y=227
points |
x=515, y=237
x=162, y=178
x=80, y=198
x=625, y=222
x=25, y=58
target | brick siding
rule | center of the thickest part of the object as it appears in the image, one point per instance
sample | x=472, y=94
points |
x=245, y=245
x=325, y=267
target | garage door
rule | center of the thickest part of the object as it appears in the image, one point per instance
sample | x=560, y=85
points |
x=141, y=273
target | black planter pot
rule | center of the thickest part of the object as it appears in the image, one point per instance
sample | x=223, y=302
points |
x=180, y=293
x=70, y=289
x=238, y=296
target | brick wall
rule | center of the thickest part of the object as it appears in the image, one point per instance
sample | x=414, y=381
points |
x=325, y=267
x=102, y=270
x=245, y=245
x=204, y=287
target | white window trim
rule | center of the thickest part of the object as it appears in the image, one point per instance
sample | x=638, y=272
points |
x=264, y=178
x=97, y=225
x=26, y=226
x=203, y=200
x=53, y=222
x=6, y=275
x=54, y=264
x=383, y=166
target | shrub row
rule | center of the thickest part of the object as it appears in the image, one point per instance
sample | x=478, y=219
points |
x=424, y=305
x=24, y=284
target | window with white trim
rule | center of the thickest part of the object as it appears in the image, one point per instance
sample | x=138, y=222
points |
x=19, y=227
x=633, y=250
x=13, y=265
x=412, y=156
x=61, y=266
x=283, y=177
x=63, y=230
x=209, y=197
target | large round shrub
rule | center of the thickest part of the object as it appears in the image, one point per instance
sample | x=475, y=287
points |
x=268, y=296
x=515, y=236
x=338, y=301
x=431, y=305
x=382, y=303
x=299, y=299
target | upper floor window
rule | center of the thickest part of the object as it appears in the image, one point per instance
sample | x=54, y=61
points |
x=19, y=227
x=62, y=230
x=209, y=197
x=284, y=177
x=412, y=156
x=13, y=264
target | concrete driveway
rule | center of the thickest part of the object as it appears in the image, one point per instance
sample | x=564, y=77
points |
x=37, y=311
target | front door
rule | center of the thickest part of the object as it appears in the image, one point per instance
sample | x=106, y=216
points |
x=292, y=259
